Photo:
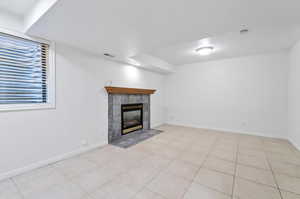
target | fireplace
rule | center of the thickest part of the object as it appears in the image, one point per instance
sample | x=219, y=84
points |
x=128, y=111
x=131, y=117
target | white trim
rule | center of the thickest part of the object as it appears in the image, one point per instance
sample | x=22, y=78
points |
x=157, y=124
x=226, y=130
x=296, y=145
x=50, y=80
x=43, y=163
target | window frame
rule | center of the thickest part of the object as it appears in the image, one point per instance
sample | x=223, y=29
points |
x=51, y=99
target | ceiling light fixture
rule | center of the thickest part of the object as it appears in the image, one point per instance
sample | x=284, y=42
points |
x=205, y=50
x=134, y=62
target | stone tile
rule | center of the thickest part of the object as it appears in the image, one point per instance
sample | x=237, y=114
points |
x=291, y=158
x=94, y=179
x=225, y=155
x=169, y=186
x=285, y=168
x=215, y=180
x=252, y=152
x=197, y=191
x=244, y=189
x=163, y=166
x=155, y=161
x=288, y=195
x=193, y=157
x=146, y=194
x=258, y=175
x=65, y=191
x=258, y=162
x=74, y=166
x=137, y=178
x=220, y=165
x=288, y=183
x=113, y=190
x=39, y=179
x=183, y=169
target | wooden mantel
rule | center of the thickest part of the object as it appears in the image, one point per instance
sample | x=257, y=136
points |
x=123, y=90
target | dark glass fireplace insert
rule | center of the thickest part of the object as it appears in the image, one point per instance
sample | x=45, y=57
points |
x=131, y=117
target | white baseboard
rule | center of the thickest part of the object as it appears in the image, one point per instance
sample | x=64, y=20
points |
x=157, y=124
x=226, y=130
x=50, y=161
x=296, y=145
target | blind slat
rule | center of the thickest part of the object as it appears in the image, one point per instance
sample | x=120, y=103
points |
x=23, y=70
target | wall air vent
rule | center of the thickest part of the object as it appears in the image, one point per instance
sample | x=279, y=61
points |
x=109, y=55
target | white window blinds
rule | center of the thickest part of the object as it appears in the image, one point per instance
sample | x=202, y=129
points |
x=23, y=70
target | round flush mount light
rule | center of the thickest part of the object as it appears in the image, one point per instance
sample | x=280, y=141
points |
x=134, y=62
x=205, y=50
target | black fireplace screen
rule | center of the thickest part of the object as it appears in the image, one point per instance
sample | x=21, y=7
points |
x=132, y=117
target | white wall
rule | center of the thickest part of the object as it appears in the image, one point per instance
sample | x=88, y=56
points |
x=10, y=21
x=247, y=94
x=294, y=96
x=29, y=137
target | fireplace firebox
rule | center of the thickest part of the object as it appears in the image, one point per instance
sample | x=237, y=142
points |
x=131, y=117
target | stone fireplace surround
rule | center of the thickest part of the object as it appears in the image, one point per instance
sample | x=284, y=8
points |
x=118, y=96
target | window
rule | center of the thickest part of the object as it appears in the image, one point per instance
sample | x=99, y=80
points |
x=26, y=72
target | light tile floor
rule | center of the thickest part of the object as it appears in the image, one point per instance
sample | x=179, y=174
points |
x=181, y=163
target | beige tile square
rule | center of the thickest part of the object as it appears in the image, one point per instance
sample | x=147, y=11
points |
x=168, y=152
x=255, y=174
x=196, y=158
x=220, y=165
x=225, y=155
x=252, y=152
x=169, y=186
x=288, y=195
x=244, y=189
x=94, y=179
x=183, y=169
x=258, y=162
x=155, y=161
x=137, y=178
x=288, y=183
x=215, y=180
x=39, y=179
x=99, y=156
x=113, y=190
x=285, y=168
x=292, y=159
x=197, y=191
x=74, y=166
x=146, y=194
x=65, y=191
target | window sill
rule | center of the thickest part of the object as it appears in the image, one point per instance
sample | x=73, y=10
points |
x=23, y=107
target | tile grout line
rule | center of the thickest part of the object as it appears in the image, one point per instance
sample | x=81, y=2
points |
x=151, y=180
x=273, y=173
x=201, y=166
x=235, y=167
